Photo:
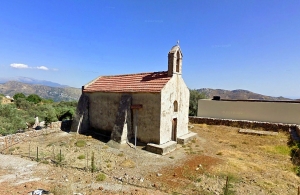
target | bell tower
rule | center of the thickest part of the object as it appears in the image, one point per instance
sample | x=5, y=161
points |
x=175, y=60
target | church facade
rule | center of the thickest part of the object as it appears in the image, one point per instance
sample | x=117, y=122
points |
x=152, y=107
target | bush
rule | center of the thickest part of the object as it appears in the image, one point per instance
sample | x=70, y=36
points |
x=10, y=120
x=194, y=97
x=82, y=156
x=23, y=104
x=65, y=110
x=297, y=170
x=80, y=143
x=34, y=98
x=60, y=158
x=22, y=113
x=19, y=95
x=100, y=177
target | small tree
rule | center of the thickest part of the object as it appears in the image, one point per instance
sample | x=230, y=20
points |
x=22, y=103
x=34, y=98
x=47, y=101
x=194, y=97
x=19, y=95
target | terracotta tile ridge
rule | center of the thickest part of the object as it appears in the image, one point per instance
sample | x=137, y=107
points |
x=91, y=82
x=132, y=74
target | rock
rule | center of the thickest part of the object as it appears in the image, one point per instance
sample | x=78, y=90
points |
x=126, y=176
x=158, y=174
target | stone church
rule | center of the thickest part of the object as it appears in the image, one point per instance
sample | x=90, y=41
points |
x=150, y=107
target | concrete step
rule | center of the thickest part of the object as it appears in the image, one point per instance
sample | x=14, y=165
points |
x=161, y=149
x=186, y=138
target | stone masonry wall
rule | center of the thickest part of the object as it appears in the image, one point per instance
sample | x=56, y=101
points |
x=246, y=124
x=10, y=140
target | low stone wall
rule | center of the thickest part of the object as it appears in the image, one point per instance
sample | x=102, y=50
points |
x=246, y=124
x=55, y=125
x=10, y=140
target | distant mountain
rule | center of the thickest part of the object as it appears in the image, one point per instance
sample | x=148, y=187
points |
x=59, y=92
x=31, y=81
x=55, y=93
x=239, y=94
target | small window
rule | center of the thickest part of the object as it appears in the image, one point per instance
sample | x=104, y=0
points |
x=177, y=61
x=175, y=104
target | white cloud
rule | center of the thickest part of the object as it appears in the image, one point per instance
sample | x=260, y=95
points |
x=42, y=68
x=15, y=65
x=24, y=66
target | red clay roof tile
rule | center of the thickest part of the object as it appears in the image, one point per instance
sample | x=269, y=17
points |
x=141, y=82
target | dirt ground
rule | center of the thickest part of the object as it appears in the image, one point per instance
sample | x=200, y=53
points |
x=249, y=164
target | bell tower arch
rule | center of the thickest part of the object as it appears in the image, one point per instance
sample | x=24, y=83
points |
x=175, y=61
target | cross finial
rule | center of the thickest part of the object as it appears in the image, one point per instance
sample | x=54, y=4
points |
x=178, y=42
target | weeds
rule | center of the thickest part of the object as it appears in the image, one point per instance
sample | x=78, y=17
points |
x=233, y=145
x=228, y=186
x=121, y=154
x=45, y=162
x=100, y=177
x=283, y=149
x=50, y=144
x=80, y=157
x=80, y=143
x=63, y=144
x=59, y=157
x=62, y=190
x=93, y=166
x=297, y=170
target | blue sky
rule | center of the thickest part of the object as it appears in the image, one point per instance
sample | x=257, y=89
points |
x=228, y=44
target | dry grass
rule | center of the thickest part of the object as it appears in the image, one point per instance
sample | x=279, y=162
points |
x=128, y=163
x=254, y=164
x=258, y=158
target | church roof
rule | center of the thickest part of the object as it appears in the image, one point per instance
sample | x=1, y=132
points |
x=141, y=82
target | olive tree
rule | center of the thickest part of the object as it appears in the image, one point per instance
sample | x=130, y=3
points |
x=194, y=97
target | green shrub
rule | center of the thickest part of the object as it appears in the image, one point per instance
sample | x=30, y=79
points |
x=45, y=162
x=100, y=177
x=121, y=154
x=34, y=98
x=297, y=170
x=10, y=119
x=82, y=156
x=59, y=157
x=80, y=143
x=194, y=97
x=19, y=95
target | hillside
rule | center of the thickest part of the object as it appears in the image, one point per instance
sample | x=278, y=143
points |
x=31, y=81
x=237, y=94
x=69, y=93
x=55, y=93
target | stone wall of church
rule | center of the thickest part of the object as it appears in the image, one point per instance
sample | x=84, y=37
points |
x=103, y=109
x=174, y=90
